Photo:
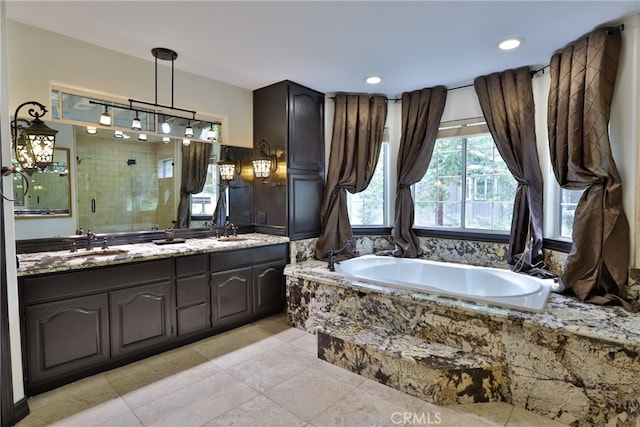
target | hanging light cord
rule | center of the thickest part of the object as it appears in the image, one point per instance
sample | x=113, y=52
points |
x=6, y=171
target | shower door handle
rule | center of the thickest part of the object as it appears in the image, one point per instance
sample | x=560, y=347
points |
x=93, y=205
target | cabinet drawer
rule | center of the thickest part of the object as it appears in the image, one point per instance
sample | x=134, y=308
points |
x=192, y=290
x=221, y=261
x=94, y=280
x=189, y=265
x=193, y=319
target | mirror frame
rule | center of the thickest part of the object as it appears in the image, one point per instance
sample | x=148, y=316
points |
x=43, y=213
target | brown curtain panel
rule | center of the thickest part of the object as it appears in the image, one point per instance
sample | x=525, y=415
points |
x=583, y=75
x=506, y=100
x=219, y=217
x=421, y=114
x=358, y=125
x=195, y=162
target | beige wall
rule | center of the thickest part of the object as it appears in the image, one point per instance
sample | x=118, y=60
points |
x=74, y=63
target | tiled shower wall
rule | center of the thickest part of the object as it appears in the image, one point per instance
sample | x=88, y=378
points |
x=128, y=197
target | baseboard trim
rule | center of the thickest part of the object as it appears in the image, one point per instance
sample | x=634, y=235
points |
x=20, y=410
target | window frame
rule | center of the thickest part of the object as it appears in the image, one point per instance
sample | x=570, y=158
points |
x=213, y=163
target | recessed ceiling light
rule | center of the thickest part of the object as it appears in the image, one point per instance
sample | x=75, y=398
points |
x=373, y=80
x=509, y=44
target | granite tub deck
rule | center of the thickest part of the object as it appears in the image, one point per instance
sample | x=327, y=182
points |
x=576, y=363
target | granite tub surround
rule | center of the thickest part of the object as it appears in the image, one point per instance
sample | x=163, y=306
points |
x=431, y=371
x=575, y=363
x=49, y=262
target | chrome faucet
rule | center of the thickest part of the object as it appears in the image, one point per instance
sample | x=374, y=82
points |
x=333, y=252
x=226, y=227
x=90, y=238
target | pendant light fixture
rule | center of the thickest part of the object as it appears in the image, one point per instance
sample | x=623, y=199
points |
x=160, y=111
x=136, y=124
x=188, y=131
x=105, y=118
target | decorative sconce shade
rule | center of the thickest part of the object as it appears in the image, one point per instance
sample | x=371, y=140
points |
x=33, y=144
x=265, y=163
x=227, y=167
x=105, y=118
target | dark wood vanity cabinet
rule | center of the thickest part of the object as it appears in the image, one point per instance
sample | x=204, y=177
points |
x=80, y=322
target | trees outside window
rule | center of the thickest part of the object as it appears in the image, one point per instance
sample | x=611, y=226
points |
x=469, y=167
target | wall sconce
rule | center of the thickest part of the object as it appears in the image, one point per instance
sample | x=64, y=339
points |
x=265, y=163
x=33, y=143
x=227, y=167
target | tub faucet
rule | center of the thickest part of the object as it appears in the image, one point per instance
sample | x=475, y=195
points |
x=333, y=252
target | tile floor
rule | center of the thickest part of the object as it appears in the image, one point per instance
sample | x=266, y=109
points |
x=262, y=374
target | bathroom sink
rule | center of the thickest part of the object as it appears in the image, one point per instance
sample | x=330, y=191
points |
x=95, y=252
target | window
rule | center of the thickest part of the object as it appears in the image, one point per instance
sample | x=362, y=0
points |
x=468, y=166
x=568, y=202
x=165, y=168
x=203, y=203
x=368, y=207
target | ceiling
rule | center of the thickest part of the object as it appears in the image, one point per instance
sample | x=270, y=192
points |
x=329, y=46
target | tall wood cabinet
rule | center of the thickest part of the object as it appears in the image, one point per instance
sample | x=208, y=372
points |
x=290, y=117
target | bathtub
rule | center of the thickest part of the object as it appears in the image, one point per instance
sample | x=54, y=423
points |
x=484, y=285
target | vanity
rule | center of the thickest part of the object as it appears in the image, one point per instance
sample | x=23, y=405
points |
x=87, y=311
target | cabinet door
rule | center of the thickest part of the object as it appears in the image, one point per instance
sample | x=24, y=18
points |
x=231, y=292
x=306, y=128
x=140, y=318
x=268, y=288
x=305, y=202
x=66, y=336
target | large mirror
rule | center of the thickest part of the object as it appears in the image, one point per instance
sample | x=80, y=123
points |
x=48, y=191
x=114, y=184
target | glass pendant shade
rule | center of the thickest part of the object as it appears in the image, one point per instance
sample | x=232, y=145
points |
x=91, y=130
x=188, y=132
x=186, y=141
x=118, y=134
x=136, y=124
x=165, y=127
x=105, y=119
x=166, y=139
x=142, y=137
x=212, y=133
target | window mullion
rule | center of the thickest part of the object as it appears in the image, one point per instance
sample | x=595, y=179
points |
x=463, y=183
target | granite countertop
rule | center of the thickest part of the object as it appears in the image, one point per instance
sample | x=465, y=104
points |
x=563, y=313
x=50, y=262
